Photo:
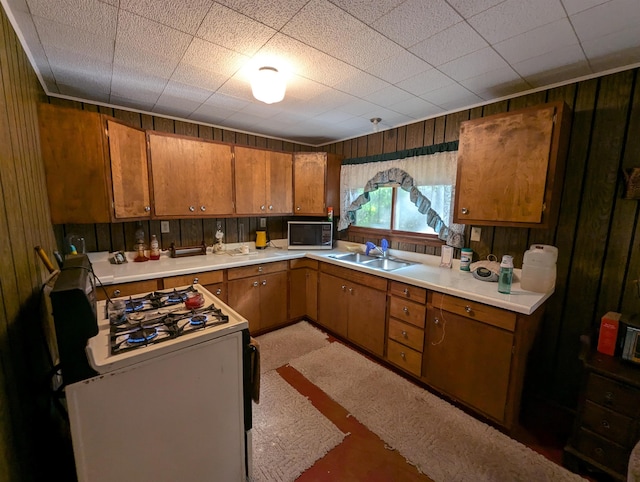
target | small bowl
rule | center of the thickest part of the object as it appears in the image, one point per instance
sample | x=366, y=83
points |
x=194, y=300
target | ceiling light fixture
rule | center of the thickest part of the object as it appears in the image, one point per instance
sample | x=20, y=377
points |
x=268, y=85
x=375, y=121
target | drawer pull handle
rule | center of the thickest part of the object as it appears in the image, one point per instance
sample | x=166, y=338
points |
x=195, y=281
x=259, y=269
x=404, y=334
x=606, y=424
x=406, y=310
x=406, y=291
x=403, y=356
x=116, y=292
x=468, y=309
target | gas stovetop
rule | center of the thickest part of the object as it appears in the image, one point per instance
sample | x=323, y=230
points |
x=143, y=326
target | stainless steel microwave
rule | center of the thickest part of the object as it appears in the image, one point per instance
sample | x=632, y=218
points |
x=310, y=235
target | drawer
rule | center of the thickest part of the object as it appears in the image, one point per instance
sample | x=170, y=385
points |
x=611, y=425
x=413, y=293
x=407, y=311
x=408, y=335
x=303, y=263
x=372, y=281
x=256, y=269
x=206, y=278
x=127, y=289
x=406, y=358
x=477, y=311
x=613, y=395
x=602, y=451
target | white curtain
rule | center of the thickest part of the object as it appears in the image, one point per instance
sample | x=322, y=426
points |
x=434, y=175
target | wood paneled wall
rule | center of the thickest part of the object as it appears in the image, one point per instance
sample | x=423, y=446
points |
x=598, y=235
x=26, y=450
x=182, y=232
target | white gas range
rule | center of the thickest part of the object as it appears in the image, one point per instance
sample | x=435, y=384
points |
x=171, y=398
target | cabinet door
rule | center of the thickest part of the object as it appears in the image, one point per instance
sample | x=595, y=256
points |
x=244, y=297
x=508, y=167
x=129, y=171
x=214, y=183
x=297, y=293
x=249, y=175
x=74, y=152
x=333, y=304
x=279, y=180
x=273, y=300
x=309, y=178
x=367, y=315
x=468, y=360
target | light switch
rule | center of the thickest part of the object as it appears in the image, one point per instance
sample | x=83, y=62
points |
x=475, y=234
x=164, y=226
x=263, y=222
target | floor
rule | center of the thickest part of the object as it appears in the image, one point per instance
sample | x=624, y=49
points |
x=364, y=457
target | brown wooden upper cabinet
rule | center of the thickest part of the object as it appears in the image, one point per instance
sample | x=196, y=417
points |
x=190, y=177
x=96, y=168
x=510, y=167
x=316, y=177
x=263, y=181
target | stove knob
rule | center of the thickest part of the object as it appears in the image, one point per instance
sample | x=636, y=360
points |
x=191, y=208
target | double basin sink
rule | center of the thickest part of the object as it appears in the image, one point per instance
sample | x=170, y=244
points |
x=374, y=262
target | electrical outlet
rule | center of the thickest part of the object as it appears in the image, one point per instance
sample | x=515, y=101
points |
x=475, y=234
x=164, y=226
x=263, y=222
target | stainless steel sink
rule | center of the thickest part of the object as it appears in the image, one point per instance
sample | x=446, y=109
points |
x=374, y=262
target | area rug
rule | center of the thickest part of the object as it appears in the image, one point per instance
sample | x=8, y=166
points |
x=289, y=433
x=442, y=441
x=279, y=347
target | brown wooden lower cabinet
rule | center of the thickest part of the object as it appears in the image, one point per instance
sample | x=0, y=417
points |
x=303, y=289
x=353, y=305
x=210, y=280
x=259, y=293
x=128, y=289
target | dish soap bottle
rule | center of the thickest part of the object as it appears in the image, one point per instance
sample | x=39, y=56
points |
x=155, y=248
x=140, y=246
x=506, y=274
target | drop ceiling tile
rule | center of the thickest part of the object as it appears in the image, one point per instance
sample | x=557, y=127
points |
x=90, y=15
x=233, y=30
x=323, y=26
x=182, y=15
x=399, y=67
x=273, y=13
x=416, y=108
x=361, y=84
x=469, y=8
x=552, y=68
x=416, y=20
x=80, y=85
x=451, y=97
x=513, y=17
x=539, y=41
x=238, y=88
x=496, y=83
x=358, y=107
x=575, y=6
x=607, y=19
x=610, y=51
x=454, y=42
x=388, y=96
x=426, y=82
x=333, y=117
x=303, y=89
x=190, y=93
x=132, y=84
x=473, y=64
x=140, y=103
x=366, y=10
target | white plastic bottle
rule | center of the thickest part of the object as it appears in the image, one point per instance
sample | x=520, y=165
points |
x=506, y=274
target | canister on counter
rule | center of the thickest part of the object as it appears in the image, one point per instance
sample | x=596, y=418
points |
x=466, y=254
x=330, y=213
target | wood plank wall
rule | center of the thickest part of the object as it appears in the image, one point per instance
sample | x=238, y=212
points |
x=182, y=232
x=597, y=235
x=25, y=446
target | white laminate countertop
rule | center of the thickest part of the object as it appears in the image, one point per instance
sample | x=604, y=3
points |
x=427, y=273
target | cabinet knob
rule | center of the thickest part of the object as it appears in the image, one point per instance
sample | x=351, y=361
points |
x=465, y=211
x=262, y=208
x=195, y=281
x=343, y=287
x=147, y=209
x=406, y=291
x=468, y=309
x=436, y=321
x=255, y=283
x=192, y=209
x=260, y=269
x=608, y=397
x=404, y=334
x=116, y=292
x=599, y=451
x=203, y=208
x=406, y=310
x=264, y=282
x=270, y=207
x=351, y=290
x=606, y=424
x=218, y=291
x=403, y=356
x=297, y=208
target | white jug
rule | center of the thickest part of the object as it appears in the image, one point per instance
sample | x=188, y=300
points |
x=539, y=268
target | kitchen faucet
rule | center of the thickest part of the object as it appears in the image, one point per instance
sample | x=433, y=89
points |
x=383, y=250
